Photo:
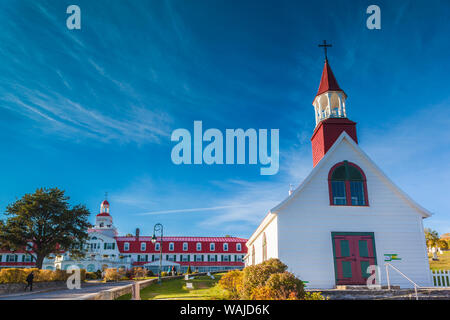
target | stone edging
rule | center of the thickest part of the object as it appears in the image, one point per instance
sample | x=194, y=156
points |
x=112, y=294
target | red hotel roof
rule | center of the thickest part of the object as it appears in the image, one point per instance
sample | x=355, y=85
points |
x=135, y=245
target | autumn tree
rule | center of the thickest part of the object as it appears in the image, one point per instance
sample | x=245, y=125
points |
x=43, y=223
x=431, y=237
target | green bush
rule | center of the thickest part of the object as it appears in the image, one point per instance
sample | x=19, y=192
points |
x=189, y=271
x=13, y=275
x=113, y=275
x=286, y=285
x=232, y=282
x=265, y=281
x=16, y=275
x=91, y=276
x=314, y=296
x=139, y=272
x=164, y=274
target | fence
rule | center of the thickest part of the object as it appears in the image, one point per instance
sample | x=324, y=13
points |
x=441, y=278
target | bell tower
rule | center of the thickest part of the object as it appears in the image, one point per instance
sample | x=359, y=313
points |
x=330, y=113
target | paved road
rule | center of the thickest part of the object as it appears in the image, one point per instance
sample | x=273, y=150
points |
x=64, y=294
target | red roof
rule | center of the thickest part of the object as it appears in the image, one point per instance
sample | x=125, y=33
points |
x=105, y=203
x=135, y=245
x=328, y=81
x=103, y=214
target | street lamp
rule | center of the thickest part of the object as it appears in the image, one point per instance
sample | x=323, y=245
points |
x=158, y=227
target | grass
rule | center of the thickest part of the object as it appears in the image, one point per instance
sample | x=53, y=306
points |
x=443, y=263
x=205, y=288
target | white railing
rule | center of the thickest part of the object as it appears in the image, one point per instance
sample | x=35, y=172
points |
x=441, y=278
x=402, y=274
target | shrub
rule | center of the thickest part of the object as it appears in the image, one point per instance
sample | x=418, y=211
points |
x=314, y=296
x=189, y=270
x=43, y=275
x=257, y=275
x=286, y=285
x=263, y=293
x=150, y=273
x=112, y=275
x=129, y=273
x=139, y=272
x=232, y=282
x=91, y=276
x=164, y=274
x=265, y=281
x=13, y=275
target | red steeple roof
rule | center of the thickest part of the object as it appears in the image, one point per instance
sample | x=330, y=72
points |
x=328, y=81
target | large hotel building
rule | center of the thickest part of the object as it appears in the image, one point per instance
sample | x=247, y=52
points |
x=106, y=249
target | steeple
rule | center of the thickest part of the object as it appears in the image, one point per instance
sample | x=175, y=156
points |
x=330, y=113
x=330, y=98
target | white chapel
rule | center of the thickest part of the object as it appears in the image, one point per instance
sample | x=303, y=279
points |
x=346, y=215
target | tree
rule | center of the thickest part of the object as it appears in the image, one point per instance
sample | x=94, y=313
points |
x=43, y=223
x=431, y=237
x=442, y=244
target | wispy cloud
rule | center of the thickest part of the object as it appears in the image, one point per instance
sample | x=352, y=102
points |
x=191, y=210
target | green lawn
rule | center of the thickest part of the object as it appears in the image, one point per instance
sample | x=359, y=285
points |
x=443, y=263
x=205, y=288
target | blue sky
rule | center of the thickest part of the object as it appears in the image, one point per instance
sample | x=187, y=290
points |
x=92, y=110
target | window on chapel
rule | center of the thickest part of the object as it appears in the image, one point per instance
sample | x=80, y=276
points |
x=347, y=185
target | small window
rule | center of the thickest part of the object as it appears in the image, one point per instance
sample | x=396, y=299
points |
x=171, y=246
x=185, y=246
x=198, y=257
x=126, y=246
x=225, y=247
x=199, y=246
x=347, y=185
x=264, y=248
x=109, y=246
x=157, y=246
x=212, y=247
x=184, y=257
x=11, y=258
x=143, y=246
x=238, y=247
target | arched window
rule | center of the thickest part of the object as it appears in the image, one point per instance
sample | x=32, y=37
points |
x=264, y=248
x=347, y=185
x=253, y=255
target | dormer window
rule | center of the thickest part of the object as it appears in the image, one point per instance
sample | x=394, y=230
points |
x=225, y=247
x=157, y=246
x=185, y=246
x=126, y=246
x=143, y=246
x=347, y=185
x=199, y=246
x=238, y=247
x=212, y=247
x=171, y=246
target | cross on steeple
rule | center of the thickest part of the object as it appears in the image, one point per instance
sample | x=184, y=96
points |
x=325, y=46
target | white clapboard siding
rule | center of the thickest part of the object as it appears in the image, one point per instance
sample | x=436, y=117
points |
x=300, y=233
x=441, y=278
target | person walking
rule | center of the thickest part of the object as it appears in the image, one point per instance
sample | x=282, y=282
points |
x=29, y=280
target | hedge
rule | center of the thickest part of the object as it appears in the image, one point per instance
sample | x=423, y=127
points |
x=15, y=275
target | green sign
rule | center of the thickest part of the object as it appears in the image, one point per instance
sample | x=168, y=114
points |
x=391, y=257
